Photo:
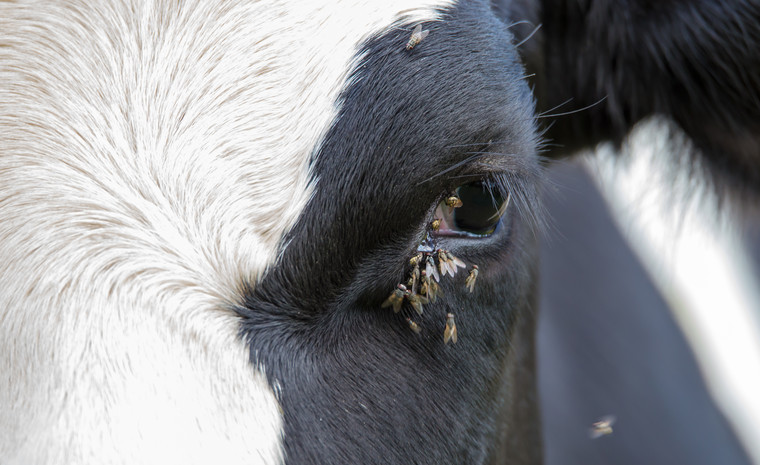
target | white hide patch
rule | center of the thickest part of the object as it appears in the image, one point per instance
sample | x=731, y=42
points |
x=152, y=155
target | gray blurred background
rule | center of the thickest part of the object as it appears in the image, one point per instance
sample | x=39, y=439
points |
x=649, y=312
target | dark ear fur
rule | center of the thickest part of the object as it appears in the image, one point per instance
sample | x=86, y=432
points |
x=695, y=61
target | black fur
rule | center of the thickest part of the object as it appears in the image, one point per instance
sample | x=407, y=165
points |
x=357, y=386
x=696, y=62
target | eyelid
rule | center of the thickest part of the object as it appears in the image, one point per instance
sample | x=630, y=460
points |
x=516, y=172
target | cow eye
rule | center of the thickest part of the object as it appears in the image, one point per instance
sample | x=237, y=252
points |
x=479, y=215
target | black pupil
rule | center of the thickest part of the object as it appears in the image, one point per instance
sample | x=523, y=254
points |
x=479, y=213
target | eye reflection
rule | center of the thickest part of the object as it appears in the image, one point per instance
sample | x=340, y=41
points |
x=479, y=215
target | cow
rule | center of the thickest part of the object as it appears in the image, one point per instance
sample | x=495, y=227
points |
x=205, y=207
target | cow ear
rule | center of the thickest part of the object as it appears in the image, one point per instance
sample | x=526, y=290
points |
x=605, y=65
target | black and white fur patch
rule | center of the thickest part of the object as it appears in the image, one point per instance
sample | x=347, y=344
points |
x=203, y=205
x=357, y=385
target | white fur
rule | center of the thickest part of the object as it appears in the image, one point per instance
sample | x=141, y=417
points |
x=152, y=155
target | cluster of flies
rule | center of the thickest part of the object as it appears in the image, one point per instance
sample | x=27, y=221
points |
x=422, y=285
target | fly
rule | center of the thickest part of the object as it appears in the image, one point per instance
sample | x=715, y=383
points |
x=470, y=281
x=396, y=298
x=418, y=35
x=450, y=332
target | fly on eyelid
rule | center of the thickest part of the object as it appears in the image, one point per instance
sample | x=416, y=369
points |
x=431, y=270
x=430, y=288
x=417, y=301
x=416, y=272
x=447, y=263
x=396, y=298
x=471, y=278
x=443, y=262
x=455, y=262
x=453, y=202
x=413, y=326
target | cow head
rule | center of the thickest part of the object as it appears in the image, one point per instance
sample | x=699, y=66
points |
x=205, y=205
